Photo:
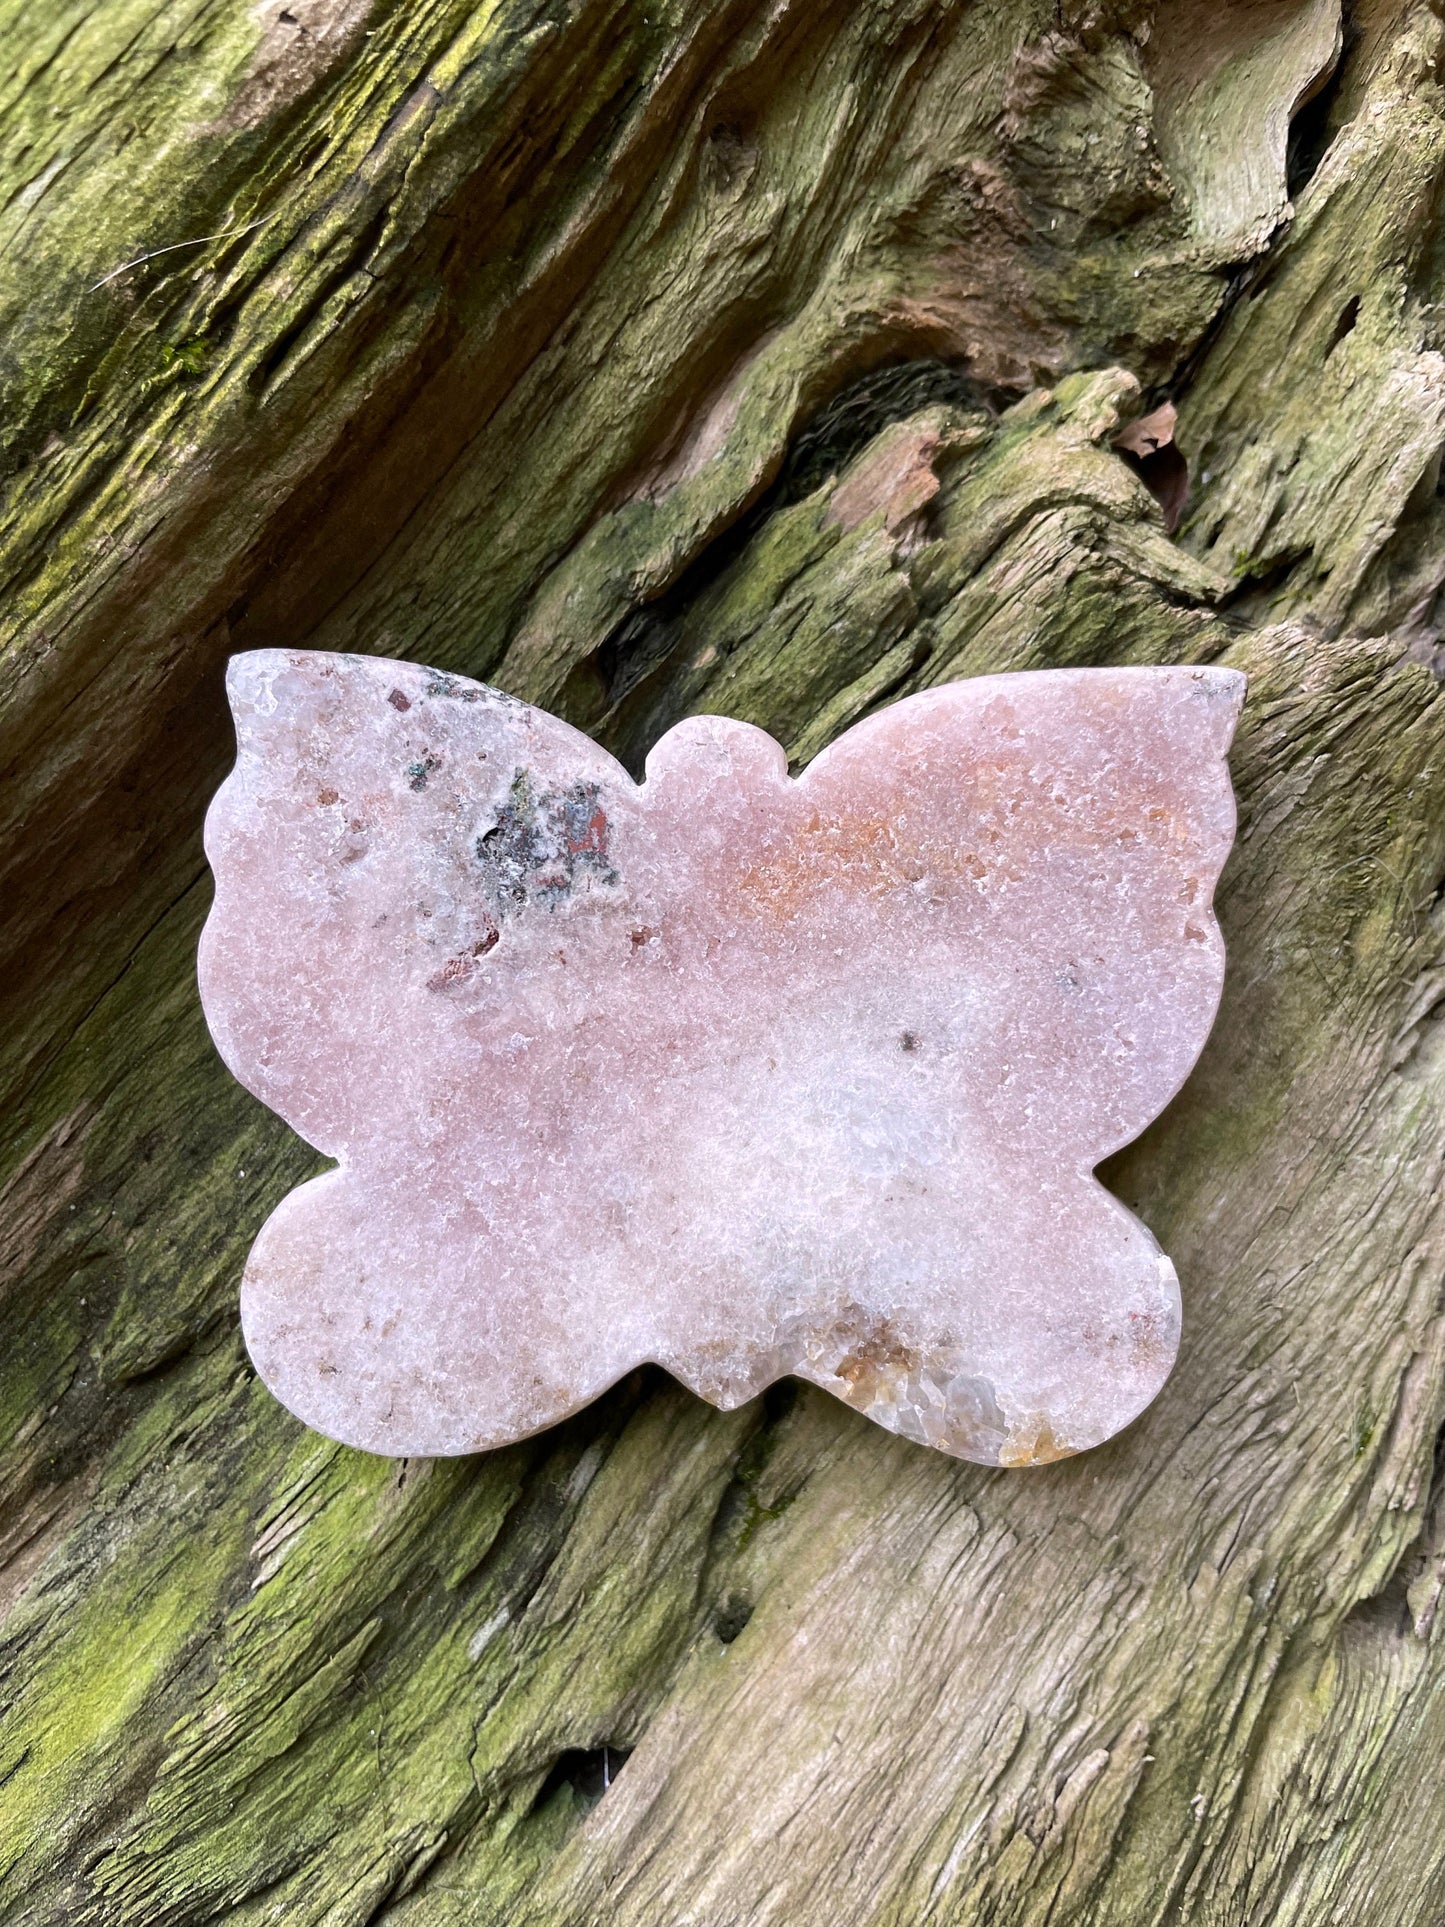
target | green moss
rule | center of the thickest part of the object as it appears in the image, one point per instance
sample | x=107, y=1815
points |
x=185, y=357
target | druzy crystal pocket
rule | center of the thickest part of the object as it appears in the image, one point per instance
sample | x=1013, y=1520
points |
x=743, y=1074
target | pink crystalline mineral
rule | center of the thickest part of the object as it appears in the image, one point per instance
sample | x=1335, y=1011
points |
x=742, y=1074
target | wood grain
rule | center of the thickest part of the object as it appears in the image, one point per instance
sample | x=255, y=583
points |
x=573, y=343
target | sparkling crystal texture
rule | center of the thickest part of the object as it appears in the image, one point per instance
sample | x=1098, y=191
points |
x=743, y=1074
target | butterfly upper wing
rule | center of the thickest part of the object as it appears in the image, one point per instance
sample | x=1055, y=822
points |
x=384, y=825
x=1063, y=833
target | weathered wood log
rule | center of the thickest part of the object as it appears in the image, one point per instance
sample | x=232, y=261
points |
x=767, y=357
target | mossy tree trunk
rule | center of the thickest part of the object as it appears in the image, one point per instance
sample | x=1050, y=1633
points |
x=766, y=356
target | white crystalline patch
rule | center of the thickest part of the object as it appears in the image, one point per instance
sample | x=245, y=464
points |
x=745, y=1075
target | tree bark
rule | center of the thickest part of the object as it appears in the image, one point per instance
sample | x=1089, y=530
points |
x=767, y=357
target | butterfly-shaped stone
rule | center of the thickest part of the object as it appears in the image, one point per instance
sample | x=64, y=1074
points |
x=743, y=1074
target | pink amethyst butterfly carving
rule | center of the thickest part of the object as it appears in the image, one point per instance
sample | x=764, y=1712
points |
x=743, y=1074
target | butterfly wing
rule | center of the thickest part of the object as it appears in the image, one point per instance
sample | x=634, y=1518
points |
x=400, y=858
x=1017, y=874
x=1063, y=831
x=383, y=826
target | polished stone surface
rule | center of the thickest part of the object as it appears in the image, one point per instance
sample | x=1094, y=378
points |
x=742, y=1074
